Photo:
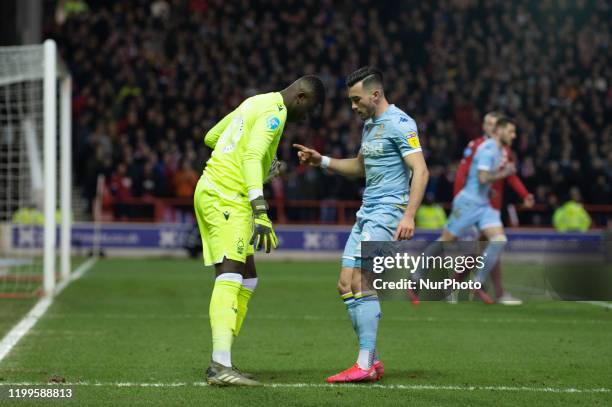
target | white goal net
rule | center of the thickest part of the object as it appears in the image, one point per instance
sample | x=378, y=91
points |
x=34, y=170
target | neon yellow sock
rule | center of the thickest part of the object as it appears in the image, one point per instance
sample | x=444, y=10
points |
x=244, y=295
x=222, y=312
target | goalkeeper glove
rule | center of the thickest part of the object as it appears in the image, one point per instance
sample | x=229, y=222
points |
x=274, y=170
x=263, y=234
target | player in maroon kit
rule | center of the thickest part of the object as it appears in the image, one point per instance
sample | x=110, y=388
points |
x=497, y=196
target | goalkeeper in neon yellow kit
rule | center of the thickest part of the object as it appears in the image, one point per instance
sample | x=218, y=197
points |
x=232, y=212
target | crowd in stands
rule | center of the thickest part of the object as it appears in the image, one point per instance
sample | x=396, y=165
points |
x=151, y=77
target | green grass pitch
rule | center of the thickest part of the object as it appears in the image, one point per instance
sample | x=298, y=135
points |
x=145, y=323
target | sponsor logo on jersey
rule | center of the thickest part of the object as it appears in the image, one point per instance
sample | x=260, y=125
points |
x=280, y=108
x=372, y=149
x=403, y=119
x=413, y=140
x=273, y=122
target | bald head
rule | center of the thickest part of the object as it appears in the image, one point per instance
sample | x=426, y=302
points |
x=303, y=97
x=489, y=122
x=312, y=84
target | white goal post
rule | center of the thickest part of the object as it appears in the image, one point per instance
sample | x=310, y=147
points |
x=34, y=87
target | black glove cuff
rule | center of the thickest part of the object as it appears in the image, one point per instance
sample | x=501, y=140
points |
x=259, y=205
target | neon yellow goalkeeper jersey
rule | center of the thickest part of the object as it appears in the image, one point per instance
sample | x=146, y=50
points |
x=245, y=143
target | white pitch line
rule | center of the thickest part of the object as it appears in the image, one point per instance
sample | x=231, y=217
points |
x=280, y=317
x=544, y=290
x=76, y=274
x=413, y=387
x=23, y=327
x=599, y=304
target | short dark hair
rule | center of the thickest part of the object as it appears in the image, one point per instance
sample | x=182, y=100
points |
x=503, y=122
x=315, y=85
x=368, y=74
x=495, y=114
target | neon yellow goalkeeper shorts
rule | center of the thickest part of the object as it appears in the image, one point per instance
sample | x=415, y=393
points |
x=226, y=224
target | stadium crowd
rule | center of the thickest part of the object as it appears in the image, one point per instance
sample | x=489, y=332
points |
x=152, y=76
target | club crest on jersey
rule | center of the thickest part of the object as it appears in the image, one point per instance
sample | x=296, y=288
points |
x=273, y=122
x=380, y=131
x=413, y=140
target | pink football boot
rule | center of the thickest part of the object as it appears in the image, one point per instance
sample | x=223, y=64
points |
x=414, y=297
x=380, y=370
x=353, y=374
x=484, y=297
